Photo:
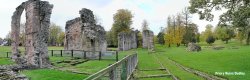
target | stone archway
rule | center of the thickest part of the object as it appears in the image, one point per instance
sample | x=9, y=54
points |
x=36, y=33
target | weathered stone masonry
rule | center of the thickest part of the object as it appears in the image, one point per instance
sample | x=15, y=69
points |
x=127, y=40
x=82, y=33
x=148, y=39
x=36, y=31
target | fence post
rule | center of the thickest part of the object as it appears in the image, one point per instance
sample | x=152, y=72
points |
x=124, y=70
x=112, y=74
x=52, y=54
x=84, y=55
x=61, y=53
x=7, y=54
x=72, y=53
x=100, y=55
x=116, y=55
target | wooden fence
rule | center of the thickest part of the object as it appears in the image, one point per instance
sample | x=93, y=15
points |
x=85, y=54
x=121, y=70
x=108, y=55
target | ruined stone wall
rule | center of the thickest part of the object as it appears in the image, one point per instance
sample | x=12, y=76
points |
x=36, y=33
x=148, y=39
x=83, y=34
x=73, y=34
x=127, y=40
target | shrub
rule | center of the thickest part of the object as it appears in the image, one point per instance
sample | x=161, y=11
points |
x=210, y=39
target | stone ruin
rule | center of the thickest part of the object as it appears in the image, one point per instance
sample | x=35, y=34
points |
x=193, y=47
x=148, y=40
x=36, y=33
x=218, y=47
x=82, y=33
x=127, y=40
x=10, y=72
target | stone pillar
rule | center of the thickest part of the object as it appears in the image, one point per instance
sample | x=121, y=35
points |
x=36, y=32
x=42, y=47
x=148, y=39
x=15, y=30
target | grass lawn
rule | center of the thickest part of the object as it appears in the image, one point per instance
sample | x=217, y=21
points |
x=93, y=66
x=5, y=61
x=211, y=61
x=49, y=74
x=207, y=60
x=148, y=61
x=4, y=49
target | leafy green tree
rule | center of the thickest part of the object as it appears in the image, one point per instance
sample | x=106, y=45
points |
x=109, y=39
x=198, y=37
x=224, y=33
x=240, y=35
x=139, y=41
x=210, y=39
x=60, y=39
x=1, y=41
x=191, y=34
x=8, y=39
x=122, y=22
x=55, y=31
x=208, y=31
x=241, y=19
x=187, y=37
x=22, y=34
x=237, y=12
x=160, y=38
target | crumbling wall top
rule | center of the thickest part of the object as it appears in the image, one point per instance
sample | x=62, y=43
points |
x=87, y=16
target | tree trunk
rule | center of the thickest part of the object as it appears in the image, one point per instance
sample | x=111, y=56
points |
x=248, y=38
x=226, y=41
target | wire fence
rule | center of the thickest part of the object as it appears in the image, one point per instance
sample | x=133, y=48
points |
x=121, y=70
x=90, y=55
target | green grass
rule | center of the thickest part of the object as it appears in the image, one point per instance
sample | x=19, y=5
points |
x=8, y=48
x=175, y=70
x=93, y=66
x=5, y=61
x=207, y=60
x=4, y=49
x=211, y=61
x=160, y=78
x=148, y=61
x=50, y=74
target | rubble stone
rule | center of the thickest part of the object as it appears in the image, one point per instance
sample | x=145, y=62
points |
x=193, y=47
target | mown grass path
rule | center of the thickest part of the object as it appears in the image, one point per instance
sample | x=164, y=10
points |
x=162, y=66
x=153, y=61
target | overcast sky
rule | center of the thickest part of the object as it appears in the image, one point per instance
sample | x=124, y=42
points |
x=154, y=11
